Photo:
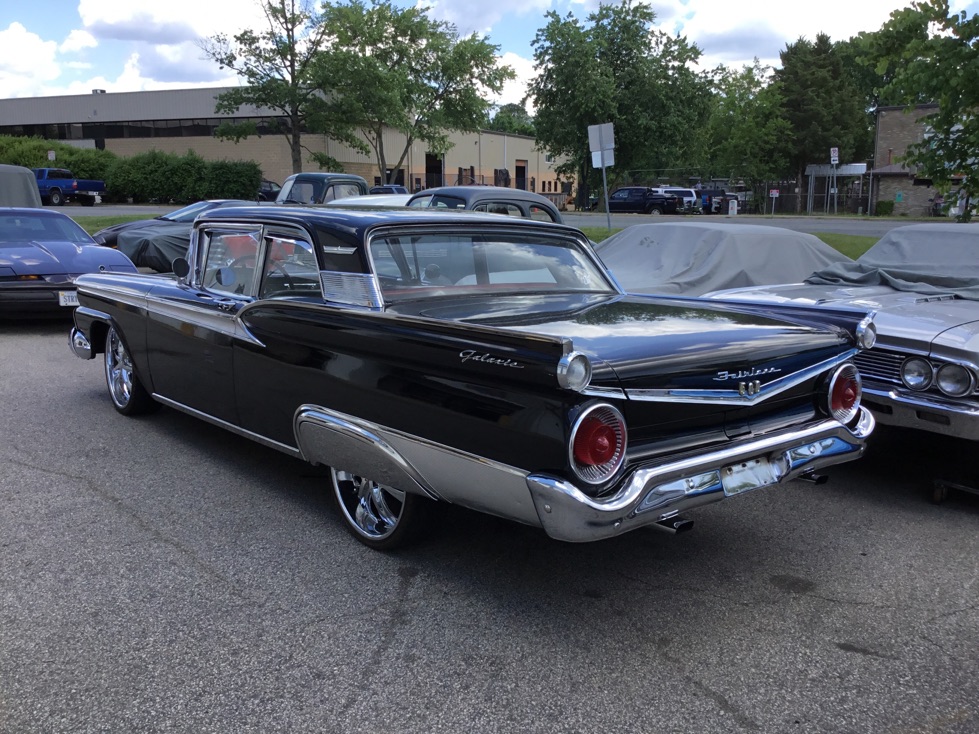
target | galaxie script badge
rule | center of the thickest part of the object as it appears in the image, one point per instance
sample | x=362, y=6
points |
x=744, y=374
x=471, y=355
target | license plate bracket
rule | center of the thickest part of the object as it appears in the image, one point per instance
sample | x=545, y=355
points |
x=747, y=475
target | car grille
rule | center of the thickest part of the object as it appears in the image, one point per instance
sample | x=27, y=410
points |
x=881, y=366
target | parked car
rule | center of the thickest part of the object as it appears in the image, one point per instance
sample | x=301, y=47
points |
x=388, y=189
x=691, y=258
x=41, y=254
x=462, y=357
x=185, y=215
x=642, y=200
x=689, y=202
x=922, y=281
x=59, y=185
x=158, y=242
x=18, y=187
x=320, y=188
x=492, y=199
x=268, y=190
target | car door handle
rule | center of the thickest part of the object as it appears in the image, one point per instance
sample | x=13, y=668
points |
x=226, y=304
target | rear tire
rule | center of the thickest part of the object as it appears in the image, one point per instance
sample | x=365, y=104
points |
x=128, y=395
x=380, y=517
x=654, y=211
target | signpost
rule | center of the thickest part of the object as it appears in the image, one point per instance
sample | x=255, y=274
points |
x=601, y=142
x=834, y=161
x=773, y=193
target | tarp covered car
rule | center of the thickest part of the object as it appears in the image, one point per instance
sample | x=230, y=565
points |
x=18, y=187
x=694, y=258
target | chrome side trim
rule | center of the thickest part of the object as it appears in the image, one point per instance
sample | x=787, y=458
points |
x=220, y=322
x=733, y=396
x=609, y=393
x=413, y=464
x=654, y=492
x=258, y=438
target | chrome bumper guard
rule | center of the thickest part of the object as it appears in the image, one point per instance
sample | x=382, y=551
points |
x=653, y=494
x=80, y=344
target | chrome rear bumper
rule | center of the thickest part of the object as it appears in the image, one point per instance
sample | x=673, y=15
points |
x=654, y=493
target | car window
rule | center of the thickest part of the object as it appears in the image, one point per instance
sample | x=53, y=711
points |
x=290, y=269
x=541, y=214
x=620, y=195
x=499, y=207
x=427, y=266
x=230, y=259
x=441, y=201
x=341, y=191
x=27, y=227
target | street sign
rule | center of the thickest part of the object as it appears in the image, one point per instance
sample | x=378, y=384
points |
x=601, y=137
x=773, y=193
x=596, y=159
x=834, y=155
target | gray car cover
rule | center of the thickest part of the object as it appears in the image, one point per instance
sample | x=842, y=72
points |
x=18, y=187
x=694, y=258
x=156, y=246
x=923, y=258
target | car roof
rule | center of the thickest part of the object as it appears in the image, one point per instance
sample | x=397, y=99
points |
x=480, y=193
x=356, y=221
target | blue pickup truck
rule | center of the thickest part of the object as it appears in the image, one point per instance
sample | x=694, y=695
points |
x=58, y=185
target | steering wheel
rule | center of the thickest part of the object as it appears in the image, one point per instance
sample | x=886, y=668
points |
x=273, y=267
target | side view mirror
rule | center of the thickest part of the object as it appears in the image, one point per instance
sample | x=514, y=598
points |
x=181, y=268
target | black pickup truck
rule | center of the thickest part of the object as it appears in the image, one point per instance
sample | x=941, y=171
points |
x=644, y=200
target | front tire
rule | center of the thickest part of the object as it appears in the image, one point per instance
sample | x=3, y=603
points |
x=128, y=395
x=55, y=197
x=380, y=517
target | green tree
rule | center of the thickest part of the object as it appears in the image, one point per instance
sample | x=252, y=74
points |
x=746, y=125
x=616, y=67
x=511, y=118
x=821, y=105
x=276, y=66
x=932, y=55
x=397, y=68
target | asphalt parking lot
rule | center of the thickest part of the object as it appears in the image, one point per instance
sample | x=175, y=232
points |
x=161, y=575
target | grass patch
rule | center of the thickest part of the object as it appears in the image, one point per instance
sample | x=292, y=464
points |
x=94, y=223
x=851, y=245
x=597, y=234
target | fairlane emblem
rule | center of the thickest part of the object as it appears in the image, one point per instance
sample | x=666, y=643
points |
x=742, y=374
x=471, y=355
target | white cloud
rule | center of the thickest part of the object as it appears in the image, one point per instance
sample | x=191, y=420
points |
x=25, y=59
x=515, y=89
x=171, y=21
x=76, y=41
x=480, y=18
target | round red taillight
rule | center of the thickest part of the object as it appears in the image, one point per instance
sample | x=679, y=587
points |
x=594, y=443
x=598, y=440
x=844, y=393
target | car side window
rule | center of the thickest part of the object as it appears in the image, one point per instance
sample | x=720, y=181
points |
x=541, y=214
x=620, y=195
x=290, y=269
x=230, y=261
x=499, y=207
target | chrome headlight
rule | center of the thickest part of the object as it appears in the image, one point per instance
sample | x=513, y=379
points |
x=866, y=333
x=917, y=373
x=574, y=371
x=955, y=380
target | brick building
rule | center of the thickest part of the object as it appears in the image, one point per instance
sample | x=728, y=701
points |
x=891, y=178
x=176, y=121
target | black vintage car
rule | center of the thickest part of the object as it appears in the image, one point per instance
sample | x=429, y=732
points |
x=484, y=361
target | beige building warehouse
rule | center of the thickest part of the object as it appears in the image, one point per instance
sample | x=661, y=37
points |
x=179, y=120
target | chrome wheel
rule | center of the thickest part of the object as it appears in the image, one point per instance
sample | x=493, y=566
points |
x=128, y=394
x=379, y=516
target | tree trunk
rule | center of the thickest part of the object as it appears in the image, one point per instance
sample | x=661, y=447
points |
x=295, y=142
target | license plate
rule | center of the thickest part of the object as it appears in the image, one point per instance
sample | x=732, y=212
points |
x=746, y=475
x=67, y=298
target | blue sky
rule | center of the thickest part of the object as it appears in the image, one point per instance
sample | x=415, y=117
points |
x=55, y=47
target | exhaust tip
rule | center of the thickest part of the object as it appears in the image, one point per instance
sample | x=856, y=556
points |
x=674, y=525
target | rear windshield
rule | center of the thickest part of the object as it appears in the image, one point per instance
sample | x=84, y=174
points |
x=415, y=266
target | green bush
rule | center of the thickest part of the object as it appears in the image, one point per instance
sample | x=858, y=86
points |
x=33, y=153
x=884, y=208
x=180, y=179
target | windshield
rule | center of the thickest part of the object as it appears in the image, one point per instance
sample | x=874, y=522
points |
x=23, y=227
x=415, y=266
